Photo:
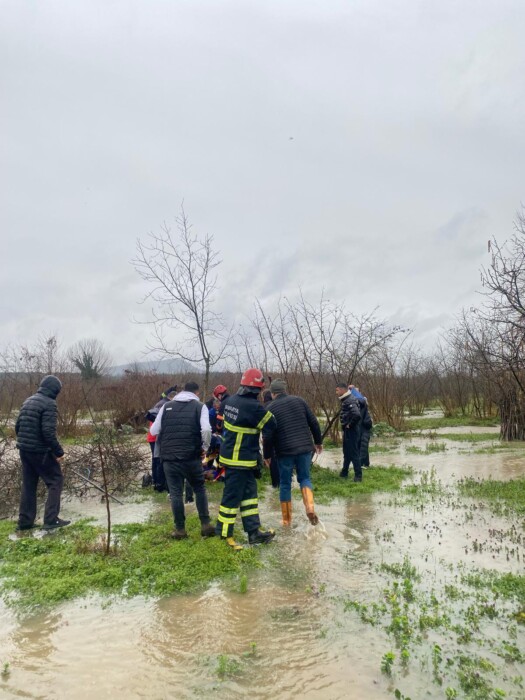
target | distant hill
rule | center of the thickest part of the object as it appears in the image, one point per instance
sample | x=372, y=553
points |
x=173, y=366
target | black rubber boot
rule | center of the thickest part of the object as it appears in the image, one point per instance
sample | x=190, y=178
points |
x=260, y=536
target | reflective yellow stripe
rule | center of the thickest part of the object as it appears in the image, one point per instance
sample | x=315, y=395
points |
x=250, y=502
x=253, y=511
x=233, y=511
x=238, y=463
x=264, y=420
x=240, y=429
x=225, y=530
x=237, y=447
x=228, y=521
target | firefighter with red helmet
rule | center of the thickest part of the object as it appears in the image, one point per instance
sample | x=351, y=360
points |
x=244, y=419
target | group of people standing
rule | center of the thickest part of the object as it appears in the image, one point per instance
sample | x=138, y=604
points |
x=290, y=433
x=180, y=434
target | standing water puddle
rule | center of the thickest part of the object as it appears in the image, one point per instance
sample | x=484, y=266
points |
x=293, y=633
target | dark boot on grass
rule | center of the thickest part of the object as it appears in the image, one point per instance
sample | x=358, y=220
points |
x=179, y=534
x=207, y=530
x=56, y=523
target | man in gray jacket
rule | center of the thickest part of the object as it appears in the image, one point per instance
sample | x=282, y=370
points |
x=40, y=454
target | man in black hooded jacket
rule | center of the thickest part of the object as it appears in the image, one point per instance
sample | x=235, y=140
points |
x=40, y=454
x=350, y=418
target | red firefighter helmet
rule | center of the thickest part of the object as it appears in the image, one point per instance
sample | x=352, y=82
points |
x=219, y=389
x=253, y=377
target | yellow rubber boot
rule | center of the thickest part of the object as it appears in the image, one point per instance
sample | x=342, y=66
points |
x=308, y=500
x=233, y=544
x=286, y=510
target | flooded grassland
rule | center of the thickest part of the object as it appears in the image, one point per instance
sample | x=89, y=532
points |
x=416, y=591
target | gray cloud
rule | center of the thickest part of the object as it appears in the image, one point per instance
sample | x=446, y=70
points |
x=406, y=152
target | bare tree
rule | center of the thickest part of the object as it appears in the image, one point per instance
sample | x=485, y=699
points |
x=492, y=336
x=90, y=357
x=182, y=273
x=315, y=345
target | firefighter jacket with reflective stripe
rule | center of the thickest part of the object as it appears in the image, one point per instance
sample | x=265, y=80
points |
x=244, y=419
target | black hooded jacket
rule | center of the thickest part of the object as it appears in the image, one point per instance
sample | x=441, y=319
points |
x=350, y=416
x=36, y=425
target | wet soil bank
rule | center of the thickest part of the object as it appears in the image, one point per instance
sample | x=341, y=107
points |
x=391, y=593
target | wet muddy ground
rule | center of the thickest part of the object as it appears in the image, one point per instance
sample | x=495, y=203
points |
x=376, y=600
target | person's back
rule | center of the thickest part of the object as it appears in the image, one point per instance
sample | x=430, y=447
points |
x=293, y=439
x=297, y=427
x=244, y=418
x=40, y=454
x=36, y=424
x=183, y=433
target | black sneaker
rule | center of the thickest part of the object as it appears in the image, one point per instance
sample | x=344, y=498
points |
x=343, y=475
x=358, y=479
x=56, y=523
x=260, y=536
x=22, y=528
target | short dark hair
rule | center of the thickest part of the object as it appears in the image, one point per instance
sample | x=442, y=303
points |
x=342, y=385
x=191, y=386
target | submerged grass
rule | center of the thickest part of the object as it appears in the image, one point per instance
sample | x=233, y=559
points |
x=500, y=495
x=450, y=422
x=68, y=564
x=328, y=484
x=469, y=437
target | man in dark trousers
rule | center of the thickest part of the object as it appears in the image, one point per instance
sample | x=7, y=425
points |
x=183, y=432
x=244, y=419
x=366, y=426
x=350, y=418
x=294, y=446
x=157, y=472
x=40, y=454
x=271, y=460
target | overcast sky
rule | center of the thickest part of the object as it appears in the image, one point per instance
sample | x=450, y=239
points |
x=370, y=147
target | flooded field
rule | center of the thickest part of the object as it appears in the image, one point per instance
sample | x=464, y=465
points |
x=406, y=594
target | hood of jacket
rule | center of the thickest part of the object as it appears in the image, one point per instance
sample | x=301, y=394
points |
x=186, y=396
x=50, y=386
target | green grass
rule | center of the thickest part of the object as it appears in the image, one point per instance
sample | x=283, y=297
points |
x=449, y=422
x=508, y=586
x=508, y=494
x=329, y=485
x=430, y=448
x=68, y=564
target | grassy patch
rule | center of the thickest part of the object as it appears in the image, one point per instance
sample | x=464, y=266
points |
x=430, y=448
x=429, y=629
x=509, y=586
x=500, y=495
x=449, y=422
x=329, y=485
x=67, y=564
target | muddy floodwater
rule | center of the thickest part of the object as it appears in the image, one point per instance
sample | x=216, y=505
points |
x=293, y=633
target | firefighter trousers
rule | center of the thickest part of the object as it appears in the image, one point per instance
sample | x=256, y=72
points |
x=240, y=495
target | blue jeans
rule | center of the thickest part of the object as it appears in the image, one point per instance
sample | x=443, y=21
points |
x=302, y=464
